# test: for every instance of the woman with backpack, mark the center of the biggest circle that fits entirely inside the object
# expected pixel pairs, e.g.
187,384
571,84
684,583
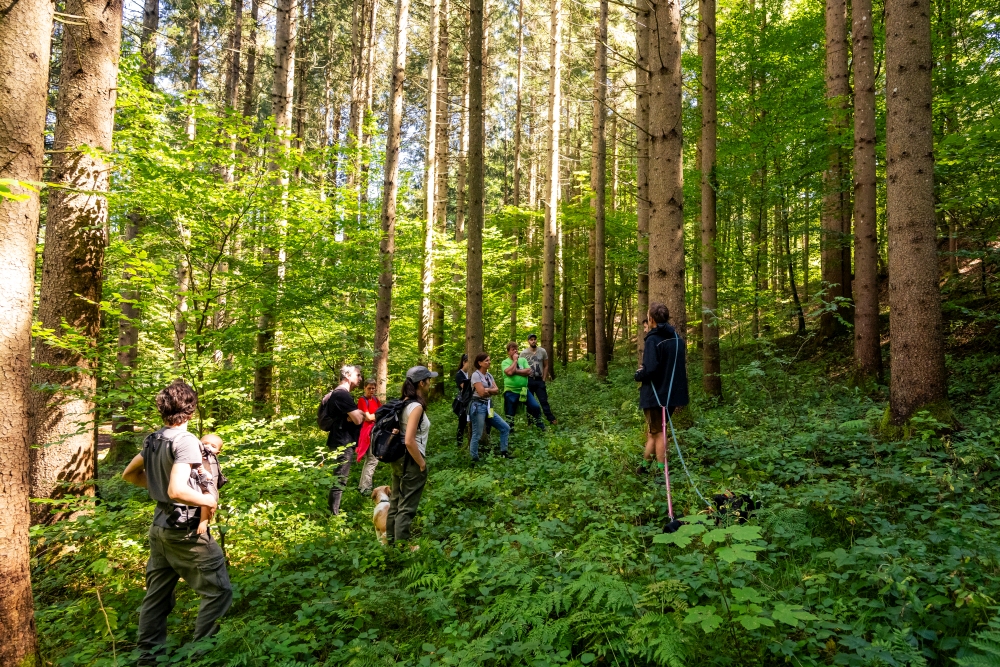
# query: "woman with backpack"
481,411
409,473
460,405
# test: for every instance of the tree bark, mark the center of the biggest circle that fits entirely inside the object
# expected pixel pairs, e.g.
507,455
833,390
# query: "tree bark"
25,37
62,418
867,349
598,181
235,49
147,42
836,219
194,67
441,189
517,102
463,158
711,355
642,20
552,178
249,94
666,197
915,324
424,335
474,334
387,245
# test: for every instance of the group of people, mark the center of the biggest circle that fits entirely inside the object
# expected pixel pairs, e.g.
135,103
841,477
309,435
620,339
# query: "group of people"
524,374
183,477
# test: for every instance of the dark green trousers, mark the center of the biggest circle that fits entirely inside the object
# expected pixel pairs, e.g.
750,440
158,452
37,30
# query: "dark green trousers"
407,487
198,560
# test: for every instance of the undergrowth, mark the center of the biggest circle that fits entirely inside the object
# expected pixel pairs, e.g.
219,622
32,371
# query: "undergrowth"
864,552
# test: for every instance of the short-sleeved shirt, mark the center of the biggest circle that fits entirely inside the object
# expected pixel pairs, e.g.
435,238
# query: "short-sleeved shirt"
344,431
484,379
422,430
514,383
536,360
161,450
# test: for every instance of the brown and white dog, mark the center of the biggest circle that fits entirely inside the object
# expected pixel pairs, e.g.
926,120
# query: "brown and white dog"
380,495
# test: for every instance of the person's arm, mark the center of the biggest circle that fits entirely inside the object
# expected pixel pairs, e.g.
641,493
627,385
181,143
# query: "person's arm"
413,423
509,368
178,489
650,361
524,370
356,416
482,392
545,367
135,471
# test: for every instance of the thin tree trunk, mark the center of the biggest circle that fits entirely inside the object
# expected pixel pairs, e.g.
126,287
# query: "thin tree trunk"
517,108
588,306
441,189
235,49
613,150
387,246
463,158
424,334
642,20
249,94
147,42
711,355
63,426
359,40
666,198
598,181
25,38
867,349
552,179
915,324
800,316
836,220
194,68
474,334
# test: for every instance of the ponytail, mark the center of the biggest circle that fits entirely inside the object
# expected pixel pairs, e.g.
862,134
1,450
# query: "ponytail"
410,393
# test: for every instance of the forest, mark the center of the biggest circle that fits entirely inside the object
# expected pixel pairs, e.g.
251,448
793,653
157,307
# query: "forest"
254,196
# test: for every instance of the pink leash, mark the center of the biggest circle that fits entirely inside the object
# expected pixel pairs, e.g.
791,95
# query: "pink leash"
666,462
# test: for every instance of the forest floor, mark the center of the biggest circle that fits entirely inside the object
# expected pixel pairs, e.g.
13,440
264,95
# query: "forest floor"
864,552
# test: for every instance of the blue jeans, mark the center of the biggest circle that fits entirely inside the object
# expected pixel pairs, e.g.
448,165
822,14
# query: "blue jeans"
479,415
510,403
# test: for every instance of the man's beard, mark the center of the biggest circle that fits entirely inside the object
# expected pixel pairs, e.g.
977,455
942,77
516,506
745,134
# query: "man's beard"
533,345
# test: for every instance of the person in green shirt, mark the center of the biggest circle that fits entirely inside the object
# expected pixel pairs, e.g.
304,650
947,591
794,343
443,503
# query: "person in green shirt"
515,385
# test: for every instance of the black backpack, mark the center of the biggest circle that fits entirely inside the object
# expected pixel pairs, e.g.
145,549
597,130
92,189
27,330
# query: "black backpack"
461,403
387,439
323,418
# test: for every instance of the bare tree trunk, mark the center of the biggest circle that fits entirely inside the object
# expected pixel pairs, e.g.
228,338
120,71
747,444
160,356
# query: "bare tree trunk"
598,181
613,150
441,189
62,419
359,41
249,94
424,335
282,94
474,334
836,220
387,246
147,42
711,355
588,306
642,20
915,323
25,37
180,302
463,158
666,197
235,49
194,67
867,349
552,178
517,109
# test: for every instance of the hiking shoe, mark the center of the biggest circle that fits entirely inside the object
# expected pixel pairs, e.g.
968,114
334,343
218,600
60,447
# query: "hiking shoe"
642,469
506,455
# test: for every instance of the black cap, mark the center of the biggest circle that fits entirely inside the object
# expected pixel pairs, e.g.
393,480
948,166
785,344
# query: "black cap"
419,374
530,336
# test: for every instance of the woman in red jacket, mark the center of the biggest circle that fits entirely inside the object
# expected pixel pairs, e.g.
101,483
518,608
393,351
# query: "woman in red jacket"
368,404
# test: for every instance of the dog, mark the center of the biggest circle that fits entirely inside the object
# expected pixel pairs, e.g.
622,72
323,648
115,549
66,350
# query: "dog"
380,494
740,507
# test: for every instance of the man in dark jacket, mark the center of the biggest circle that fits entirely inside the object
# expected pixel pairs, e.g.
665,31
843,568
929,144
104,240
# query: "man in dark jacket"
663,374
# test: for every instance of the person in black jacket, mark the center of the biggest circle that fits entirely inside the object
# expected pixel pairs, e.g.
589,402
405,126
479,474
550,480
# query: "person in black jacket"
663,374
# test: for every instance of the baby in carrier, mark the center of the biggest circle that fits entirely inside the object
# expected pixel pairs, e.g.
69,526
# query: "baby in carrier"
208,477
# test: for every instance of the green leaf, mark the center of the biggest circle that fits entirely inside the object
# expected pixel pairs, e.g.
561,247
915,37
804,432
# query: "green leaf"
754,622
745,533
717,535
738,552
587,658
747,594
791,614
682,537
704,616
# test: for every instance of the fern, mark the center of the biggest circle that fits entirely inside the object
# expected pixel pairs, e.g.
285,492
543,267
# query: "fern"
988,643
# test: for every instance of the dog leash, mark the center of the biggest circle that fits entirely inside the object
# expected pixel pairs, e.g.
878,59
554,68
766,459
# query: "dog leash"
673,434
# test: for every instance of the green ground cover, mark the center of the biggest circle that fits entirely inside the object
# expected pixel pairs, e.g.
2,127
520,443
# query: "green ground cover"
865,552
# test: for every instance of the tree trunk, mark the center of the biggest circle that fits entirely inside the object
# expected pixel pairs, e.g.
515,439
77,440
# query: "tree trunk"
25,37
867,349
552,179
474,334
463,157
387,246
642,20
441,189
836,220
711,355
147,42
194,67
915,324
235,49
62,419
588,306
424,334
666,197
249,94
517,102
598,181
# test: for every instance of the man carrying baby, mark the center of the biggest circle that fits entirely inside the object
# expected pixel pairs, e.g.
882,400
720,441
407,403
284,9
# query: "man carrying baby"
177,549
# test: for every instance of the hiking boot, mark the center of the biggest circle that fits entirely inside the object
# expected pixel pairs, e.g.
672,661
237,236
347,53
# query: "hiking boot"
506,455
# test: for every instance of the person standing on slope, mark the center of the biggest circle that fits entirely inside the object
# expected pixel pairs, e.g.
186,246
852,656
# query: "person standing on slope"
538,360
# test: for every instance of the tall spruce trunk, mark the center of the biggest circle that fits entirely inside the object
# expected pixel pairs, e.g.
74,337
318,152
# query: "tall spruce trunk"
441,189
642,20
194,67
387,245
249,76
474,334
517,103
147,40
63,415
666,197
552,179
424,334
598,181
282,94
836,218
25,37
867,349
463,157
711,355
232,83
915,325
